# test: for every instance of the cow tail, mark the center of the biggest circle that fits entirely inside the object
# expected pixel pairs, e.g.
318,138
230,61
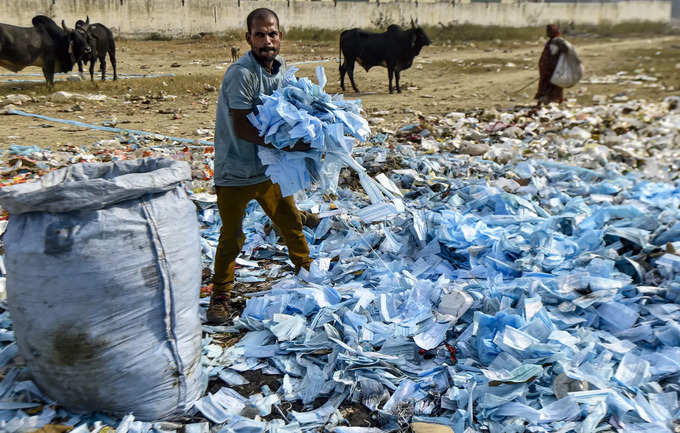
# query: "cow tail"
340,49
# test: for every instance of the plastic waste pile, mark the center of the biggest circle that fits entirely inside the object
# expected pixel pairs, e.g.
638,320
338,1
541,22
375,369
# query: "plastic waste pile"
571,284
497,288
633,135
541,298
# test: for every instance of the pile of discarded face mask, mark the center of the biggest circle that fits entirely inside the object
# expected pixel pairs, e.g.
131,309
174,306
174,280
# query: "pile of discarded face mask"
553,308
301,111
536,297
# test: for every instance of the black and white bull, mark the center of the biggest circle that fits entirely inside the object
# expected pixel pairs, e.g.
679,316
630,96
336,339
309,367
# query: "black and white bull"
394,49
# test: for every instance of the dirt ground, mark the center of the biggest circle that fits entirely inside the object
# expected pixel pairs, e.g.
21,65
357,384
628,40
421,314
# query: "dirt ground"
444,78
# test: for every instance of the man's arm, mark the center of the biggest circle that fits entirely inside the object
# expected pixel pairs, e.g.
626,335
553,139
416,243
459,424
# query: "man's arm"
246,131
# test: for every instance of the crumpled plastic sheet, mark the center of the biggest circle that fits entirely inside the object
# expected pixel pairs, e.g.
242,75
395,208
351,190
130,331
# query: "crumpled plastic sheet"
301,110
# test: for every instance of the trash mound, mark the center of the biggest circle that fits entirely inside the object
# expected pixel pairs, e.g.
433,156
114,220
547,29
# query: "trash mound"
569,273
632,135
572,287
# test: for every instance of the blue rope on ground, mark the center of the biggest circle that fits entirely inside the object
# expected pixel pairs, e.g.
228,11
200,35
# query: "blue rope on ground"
7,78
197,143
68,74
309,61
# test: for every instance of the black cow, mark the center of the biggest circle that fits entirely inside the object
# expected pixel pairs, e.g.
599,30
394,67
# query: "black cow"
395,49
54,48
101,40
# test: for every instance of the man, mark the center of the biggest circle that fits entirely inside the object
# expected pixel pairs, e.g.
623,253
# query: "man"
547,91
239,174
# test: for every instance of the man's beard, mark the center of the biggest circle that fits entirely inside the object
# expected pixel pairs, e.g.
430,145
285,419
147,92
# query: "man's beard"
262,53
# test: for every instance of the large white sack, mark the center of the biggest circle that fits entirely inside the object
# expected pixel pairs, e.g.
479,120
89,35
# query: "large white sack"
103,286
569,69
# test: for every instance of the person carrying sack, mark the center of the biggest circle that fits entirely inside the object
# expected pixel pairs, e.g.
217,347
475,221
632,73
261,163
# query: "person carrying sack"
559,67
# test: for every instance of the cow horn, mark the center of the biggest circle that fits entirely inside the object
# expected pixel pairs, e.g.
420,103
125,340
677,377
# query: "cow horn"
413,25
64,26
87,21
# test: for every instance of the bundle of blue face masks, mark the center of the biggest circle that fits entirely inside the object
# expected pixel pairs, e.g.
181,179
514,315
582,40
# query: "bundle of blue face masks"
301,110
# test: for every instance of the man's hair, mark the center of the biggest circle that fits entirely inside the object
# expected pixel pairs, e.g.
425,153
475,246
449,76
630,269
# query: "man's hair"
261,13
553,30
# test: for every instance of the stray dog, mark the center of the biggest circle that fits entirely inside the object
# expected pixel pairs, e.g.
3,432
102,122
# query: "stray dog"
235,52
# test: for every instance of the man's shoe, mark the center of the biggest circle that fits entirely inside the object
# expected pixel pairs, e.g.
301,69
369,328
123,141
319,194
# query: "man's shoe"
310,219
218,310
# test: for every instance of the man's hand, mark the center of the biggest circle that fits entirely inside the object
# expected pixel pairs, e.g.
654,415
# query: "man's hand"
301,146
246,131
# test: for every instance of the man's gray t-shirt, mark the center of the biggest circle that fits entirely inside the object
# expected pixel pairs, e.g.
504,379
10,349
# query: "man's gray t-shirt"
236,160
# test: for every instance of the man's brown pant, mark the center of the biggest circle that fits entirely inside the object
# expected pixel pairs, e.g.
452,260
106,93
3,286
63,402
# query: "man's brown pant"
232,202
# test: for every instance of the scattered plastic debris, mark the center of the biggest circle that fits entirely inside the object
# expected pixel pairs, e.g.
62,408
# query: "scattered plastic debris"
562,237
624,78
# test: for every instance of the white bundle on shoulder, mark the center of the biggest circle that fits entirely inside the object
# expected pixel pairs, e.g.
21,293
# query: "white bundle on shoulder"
569,69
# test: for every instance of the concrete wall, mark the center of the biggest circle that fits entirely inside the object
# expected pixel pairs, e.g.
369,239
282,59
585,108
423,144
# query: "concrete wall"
675,12
186,17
